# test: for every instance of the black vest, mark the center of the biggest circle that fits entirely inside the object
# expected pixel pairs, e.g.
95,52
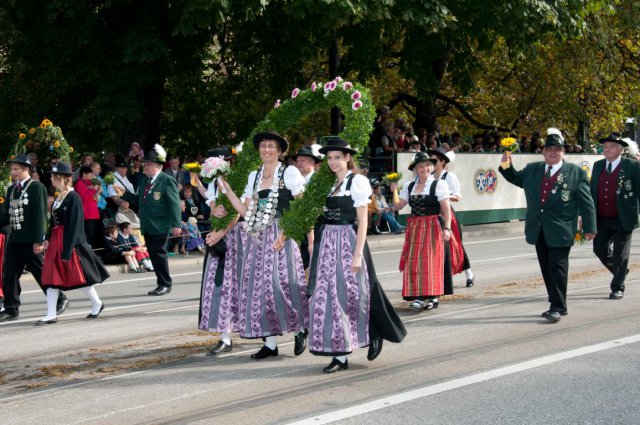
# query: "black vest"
340,209
422,205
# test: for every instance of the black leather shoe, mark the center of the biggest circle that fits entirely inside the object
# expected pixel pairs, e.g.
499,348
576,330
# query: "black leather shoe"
301,342
431,304
552,316
220,347
264,353
375,347
336,365
562,313
616,295
62,305
160,290
47,322
6,317
95,316
470,283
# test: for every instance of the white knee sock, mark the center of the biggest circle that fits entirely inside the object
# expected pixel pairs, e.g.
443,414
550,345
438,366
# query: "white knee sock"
341,359
91,293
52,303
469,274
147,263
271,342
225,337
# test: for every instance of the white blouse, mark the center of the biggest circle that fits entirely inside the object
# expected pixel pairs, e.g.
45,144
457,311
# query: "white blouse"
442,189
360,189
454,183
293,181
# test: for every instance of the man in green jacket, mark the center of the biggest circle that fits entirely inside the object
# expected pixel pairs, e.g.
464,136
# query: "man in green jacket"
159,214
615,183
556,192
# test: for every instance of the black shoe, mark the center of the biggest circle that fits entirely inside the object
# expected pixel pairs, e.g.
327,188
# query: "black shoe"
301,342
552,316
616,295
47,322
562,313
470,283
6,317
375,347
264,353
220,347
95,316
431,304
160,290
336,365
62,305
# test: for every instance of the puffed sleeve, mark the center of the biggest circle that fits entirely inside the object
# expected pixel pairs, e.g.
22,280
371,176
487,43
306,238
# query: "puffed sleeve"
442,190
454,184
360,191
293,180
404,192
248,190
211,193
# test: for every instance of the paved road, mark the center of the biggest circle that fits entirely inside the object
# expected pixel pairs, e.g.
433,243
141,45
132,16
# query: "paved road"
485,356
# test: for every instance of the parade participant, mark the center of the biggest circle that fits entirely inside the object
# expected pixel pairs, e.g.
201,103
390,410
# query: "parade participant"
422,261
555,191
159,213
615,183
69,261
443,158
272,298
25,208
349,308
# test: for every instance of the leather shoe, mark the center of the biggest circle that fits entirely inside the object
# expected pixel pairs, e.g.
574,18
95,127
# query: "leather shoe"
47,322
431,304
264,353
6,317
95,316
562,313
62,305
336,365
470,283
375,347
616,295
220,347
160,290
301,342
552,316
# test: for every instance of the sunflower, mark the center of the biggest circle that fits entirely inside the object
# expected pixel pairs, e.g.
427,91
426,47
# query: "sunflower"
22,136
32,130
1,200
56,144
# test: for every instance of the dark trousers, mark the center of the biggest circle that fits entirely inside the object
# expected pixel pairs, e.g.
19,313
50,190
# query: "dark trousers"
554,265
612,245
16,256
157,248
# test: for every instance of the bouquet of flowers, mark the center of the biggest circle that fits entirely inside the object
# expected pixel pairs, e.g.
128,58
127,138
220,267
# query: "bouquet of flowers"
213,167
109,179
580,237
192,167
508,145
392,178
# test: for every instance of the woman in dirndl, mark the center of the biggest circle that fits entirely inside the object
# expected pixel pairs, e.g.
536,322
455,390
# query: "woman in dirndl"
223,267
272,295
69,261
349,309
428,231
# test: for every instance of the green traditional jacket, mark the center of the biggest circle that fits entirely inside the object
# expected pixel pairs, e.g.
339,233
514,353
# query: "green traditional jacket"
559,216
33,227
627,198
159,210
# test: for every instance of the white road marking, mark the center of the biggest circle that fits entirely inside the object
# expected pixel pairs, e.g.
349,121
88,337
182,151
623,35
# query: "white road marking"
404,397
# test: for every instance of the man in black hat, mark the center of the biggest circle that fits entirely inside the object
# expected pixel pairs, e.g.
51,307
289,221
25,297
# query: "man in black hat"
555,191
615,183
25,208
159,203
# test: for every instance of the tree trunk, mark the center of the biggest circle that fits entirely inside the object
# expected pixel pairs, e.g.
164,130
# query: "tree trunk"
334,63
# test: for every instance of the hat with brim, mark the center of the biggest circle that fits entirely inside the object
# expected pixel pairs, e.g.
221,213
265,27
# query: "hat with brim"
441,153
271,135
121,164
307,151
615,138
375,183
62,168
421,157
337,144
152,156
21,160
224,151
553,140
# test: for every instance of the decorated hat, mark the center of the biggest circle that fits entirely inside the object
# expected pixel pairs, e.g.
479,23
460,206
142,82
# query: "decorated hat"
337,144
441,153
271,135
421,157
307,151
227,152
157,155
62,168
615,138
21,160
374,183
120,163
553,140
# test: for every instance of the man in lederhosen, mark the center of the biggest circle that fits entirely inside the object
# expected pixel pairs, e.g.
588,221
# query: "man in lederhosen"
25,208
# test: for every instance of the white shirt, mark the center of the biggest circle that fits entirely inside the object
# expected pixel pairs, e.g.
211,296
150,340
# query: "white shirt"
442,189
453,182
122,182
293,181
554,168
614,164
360,189
308,176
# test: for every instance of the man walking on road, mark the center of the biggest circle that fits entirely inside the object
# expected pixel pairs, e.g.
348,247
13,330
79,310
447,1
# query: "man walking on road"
614,186
555,191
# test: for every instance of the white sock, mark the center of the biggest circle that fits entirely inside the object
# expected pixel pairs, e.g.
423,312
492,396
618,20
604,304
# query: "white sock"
341,359
469,274
225,337
271,342
147,263
52,303
91,293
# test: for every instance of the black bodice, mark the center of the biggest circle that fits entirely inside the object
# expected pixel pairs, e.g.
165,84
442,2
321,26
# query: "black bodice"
340,209
422,205
284,196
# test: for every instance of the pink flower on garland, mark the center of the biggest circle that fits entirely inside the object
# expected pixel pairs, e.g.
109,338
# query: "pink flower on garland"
356,95
356,105
295,93
333,85
314,86
347,86
338,79
327,87
277,104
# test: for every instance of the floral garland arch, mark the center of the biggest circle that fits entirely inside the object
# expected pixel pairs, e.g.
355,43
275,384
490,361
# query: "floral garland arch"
354,102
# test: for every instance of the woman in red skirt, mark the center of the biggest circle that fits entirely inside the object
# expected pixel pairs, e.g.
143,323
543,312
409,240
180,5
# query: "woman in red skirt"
69,262
428,232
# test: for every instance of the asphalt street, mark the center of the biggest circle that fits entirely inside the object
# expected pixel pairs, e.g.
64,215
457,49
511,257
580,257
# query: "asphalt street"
485,356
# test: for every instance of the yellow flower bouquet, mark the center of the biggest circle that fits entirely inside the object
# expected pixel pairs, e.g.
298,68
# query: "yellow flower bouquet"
508,145
392,178
192,167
